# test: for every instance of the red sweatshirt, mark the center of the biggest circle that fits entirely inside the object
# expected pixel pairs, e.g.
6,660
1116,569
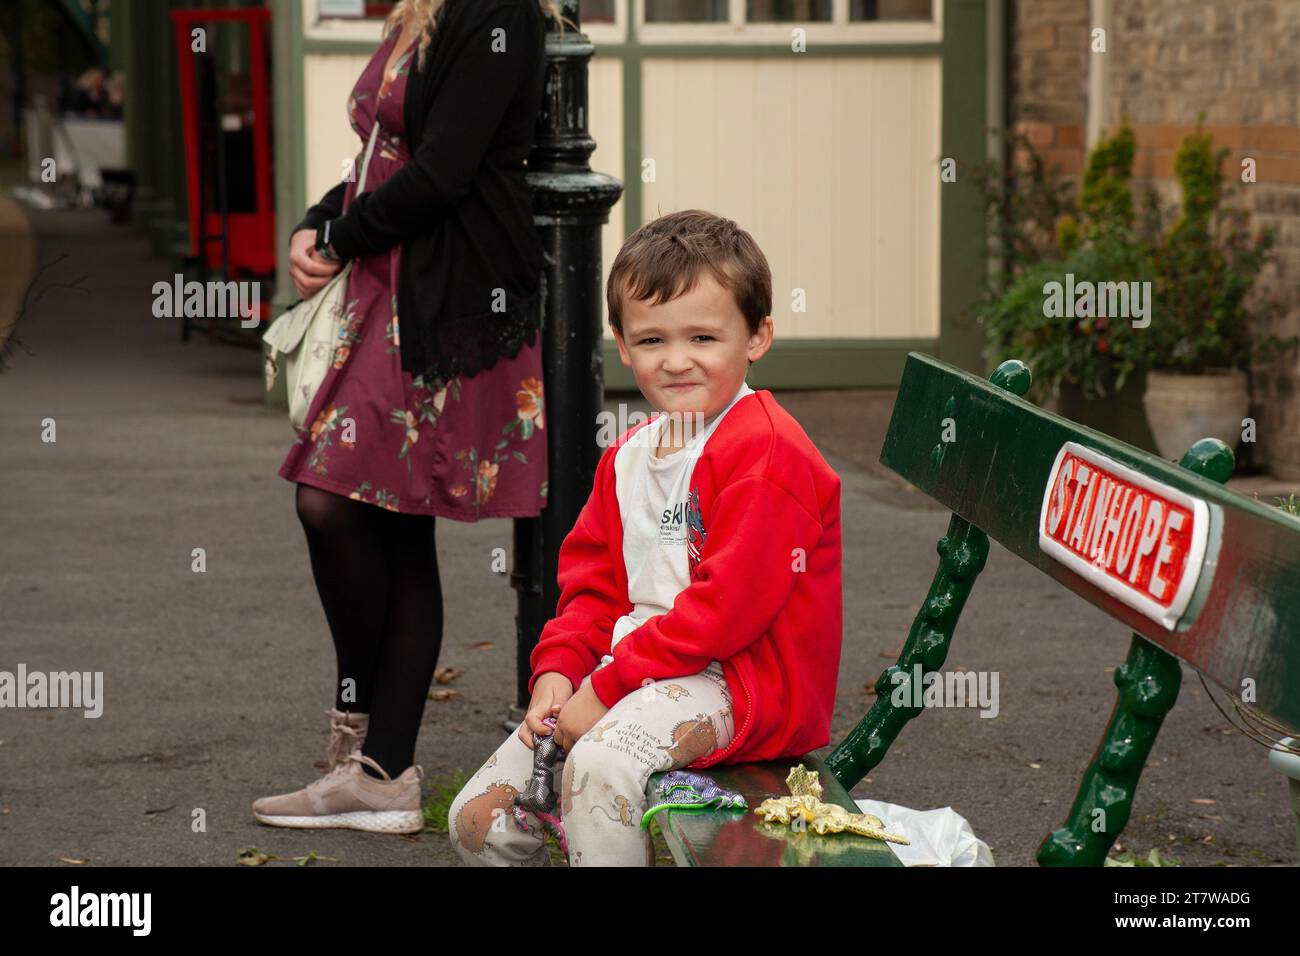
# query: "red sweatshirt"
765,596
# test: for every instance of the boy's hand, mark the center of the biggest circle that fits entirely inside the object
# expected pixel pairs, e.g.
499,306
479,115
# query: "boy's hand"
578,716
550,692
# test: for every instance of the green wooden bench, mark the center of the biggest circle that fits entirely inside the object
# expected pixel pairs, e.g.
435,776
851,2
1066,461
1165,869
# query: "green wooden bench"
742,838
1198,573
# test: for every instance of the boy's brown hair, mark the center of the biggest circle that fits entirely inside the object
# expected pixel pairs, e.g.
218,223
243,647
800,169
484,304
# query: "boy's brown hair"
664,258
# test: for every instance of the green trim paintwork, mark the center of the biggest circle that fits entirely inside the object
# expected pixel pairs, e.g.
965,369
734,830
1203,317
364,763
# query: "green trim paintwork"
1148,683
137,110
806,363
288,107
633,76
963,238
962,553
290,147
168,224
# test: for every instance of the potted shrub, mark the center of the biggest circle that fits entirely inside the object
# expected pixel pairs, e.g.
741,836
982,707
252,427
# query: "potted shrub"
1045,308
1181,366
1199,345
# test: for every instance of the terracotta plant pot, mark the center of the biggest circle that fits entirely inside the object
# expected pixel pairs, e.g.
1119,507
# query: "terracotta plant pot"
1183,409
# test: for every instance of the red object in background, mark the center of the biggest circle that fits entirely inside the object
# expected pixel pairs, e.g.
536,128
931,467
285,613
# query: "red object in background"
249,238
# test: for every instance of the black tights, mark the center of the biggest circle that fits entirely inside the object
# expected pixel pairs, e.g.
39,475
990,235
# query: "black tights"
377,574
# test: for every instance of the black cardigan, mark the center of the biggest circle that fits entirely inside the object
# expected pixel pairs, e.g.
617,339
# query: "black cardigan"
471,287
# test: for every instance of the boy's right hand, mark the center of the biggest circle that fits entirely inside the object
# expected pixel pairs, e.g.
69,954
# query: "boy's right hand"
550,693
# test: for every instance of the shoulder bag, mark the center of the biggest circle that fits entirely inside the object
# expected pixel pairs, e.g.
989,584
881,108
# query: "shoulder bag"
301,342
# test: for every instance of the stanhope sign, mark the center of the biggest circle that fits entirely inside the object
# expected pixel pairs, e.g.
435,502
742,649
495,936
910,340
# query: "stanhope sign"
1139,540
1203,572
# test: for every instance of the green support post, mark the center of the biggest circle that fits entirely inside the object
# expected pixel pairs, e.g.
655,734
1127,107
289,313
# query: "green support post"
1148,683
962,553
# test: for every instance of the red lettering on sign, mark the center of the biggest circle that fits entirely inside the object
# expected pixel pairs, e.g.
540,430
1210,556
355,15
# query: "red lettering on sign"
1137,538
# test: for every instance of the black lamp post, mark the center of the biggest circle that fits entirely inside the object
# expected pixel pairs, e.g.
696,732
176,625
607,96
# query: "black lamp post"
570,204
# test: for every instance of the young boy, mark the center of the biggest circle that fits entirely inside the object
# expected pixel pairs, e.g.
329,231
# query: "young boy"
699,620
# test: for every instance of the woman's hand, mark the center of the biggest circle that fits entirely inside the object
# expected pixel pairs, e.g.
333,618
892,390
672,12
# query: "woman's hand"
550,693
308,271
578,716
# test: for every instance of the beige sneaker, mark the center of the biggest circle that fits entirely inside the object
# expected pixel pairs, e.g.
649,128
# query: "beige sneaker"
350,798
347,734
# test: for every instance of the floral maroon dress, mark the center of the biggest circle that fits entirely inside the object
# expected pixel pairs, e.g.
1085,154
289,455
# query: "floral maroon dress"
466,448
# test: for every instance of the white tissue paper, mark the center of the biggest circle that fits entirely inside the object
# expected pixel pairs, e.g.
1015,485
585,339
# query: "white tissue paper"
939,837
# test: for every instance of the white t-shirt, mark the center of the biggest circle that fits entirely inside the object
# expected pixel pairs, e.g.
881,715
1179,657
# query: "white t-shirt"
653,497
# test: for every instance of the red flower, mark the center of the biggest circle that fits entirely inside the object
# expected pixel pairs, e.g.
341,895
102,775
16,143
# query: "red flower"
1101,345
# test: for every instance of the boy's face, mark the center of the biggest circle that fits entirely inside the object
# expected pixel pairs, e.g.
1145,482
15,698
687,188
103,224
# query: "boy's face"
690,354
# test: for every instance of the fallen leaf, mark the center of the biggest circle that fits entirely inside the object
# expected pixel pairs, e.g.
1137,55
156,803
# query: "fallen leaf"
1204,800
1036,766
443,694
311,856
893,654
484,645
6,810
64,859
870,688
445,675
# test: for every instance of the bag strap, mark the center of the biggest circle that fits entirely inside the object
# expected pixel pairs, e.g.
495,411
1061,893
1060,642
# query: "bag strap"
365,163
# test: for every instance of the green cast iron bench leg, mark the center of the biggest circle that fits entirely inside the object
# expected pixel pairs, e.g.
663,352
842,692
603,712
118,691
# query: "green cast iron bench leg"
1148,683
962,554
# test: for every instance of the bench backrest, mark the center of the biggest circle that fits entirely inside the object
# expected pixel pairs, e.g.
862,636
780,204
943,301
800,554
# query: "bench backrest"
1206,574
1241,615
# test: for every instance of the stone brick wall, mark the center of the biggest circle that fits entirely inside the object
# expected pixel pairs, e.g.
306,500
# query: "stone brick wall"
1236,61
1049,78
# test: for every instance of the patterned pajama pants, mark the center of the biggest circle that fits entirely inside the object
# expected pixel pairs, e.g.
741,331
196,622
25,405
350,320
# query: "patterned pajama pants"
662,726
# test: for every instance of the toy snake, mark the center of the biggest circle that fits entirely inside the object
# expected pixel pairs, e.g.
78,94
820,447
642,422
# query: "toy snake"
686,790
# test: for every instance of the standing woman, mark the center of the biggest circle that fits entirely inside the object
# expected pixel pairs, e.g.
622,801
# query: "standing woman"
444,418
